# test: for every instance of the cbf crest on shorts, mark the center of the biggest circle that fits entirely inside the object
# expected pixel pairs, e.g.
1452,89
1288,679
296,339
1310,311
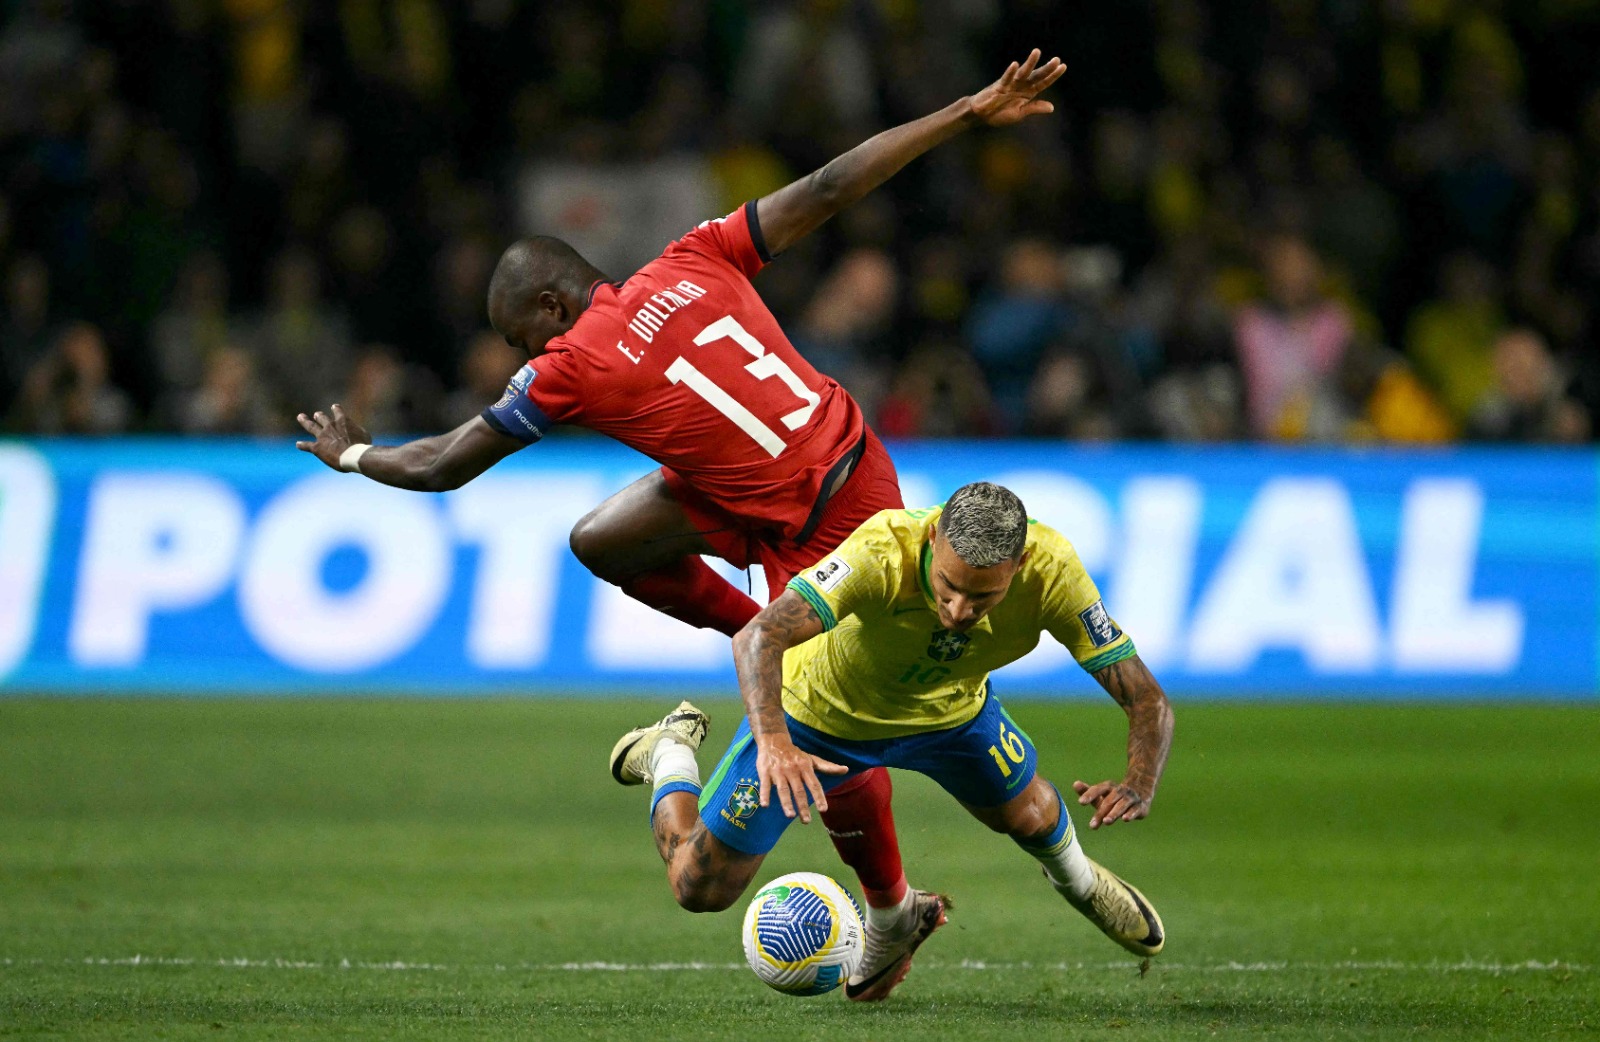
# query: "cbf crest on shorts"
1097,621
744,799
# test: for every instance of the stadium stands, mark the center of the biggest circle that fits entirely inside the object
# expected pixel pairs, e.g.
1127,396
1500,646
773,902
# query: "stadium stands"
1282,220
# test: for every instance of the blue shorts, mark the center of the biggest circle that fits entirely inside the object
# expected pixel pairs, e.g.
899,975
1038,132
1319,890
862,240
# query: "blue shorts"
984,762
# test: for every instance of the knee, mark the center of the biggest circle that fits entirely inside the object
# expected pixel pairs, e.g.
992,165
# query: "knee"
590,544
1021,825
1034,813
693,896
1032,823
995,823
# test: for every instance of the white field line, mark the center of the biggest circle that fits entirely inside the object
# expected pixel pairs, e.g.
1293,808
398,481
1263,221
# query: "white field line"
1380,966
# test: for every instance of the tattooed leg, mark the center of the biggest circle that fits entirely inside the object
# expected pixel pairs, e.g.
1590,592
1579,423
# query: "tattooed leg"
706,875
675,818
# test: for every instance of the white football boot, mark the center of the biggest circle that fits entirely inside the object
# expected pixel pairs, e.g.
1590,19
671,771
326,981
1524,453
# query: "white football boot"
887,958
630,757
1120,911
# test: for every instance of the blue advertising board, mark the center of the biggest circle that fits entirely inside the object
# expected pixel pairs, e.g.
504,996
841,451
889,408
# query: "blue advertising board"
166,566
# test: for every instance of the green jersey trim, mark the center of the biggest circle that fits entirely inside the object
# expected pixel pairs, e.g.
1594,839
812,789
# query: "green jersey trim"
1108,658
925,571
815,599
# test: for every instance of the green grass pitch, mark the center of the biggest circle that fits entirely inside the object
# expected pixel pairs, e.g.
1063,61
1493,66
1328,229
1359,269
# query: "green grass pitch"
373,869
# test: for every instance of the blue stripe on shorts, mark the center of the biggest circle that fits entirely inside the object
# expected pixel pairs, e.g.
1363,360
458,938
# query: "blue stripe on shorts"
984,762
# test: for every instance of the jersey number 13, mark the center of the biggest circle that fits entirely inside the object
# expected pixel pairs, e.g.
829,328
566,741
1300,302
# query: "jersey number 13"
764,367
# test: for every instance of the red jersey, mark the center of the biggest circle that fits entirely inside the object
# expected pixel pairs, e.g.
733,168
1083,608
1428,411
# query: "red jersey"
684,363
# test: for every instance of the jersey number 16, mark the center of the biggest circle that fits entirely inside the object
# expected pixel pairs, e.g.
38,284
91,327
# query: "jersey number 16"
764,367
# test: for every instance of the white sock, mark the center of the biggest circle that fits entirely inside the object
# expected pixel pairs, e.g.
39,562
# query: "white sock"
883,919
1068,868
1064,861
672,761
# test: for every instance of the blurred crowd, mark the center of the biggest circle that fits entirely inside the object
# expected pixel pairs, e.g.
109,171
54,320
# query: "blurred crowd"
1288,220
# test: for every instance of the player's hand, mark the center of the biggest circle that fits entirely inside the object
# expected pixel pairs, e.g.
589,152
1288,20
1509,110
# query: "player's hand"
792,774
1112,802
333,435
1011,98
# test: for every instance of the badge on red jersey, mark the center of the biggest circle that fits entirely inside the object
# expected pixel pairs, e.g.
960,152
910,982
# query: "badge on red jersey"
518,384
516,414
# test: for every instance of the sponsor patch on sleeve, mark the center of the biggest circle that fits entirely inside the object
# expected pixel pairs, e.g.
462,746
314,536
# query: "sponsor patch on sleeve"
829,573
516,414
518,384
1097,621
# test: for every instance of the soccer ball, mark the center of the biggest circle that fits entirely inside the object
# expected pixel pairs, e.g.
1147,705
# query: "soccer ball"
803,934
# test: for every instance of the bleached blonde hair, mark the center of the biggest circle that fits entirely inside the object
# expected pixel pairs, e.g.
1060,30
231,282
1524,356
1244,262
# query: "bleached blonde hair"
985,524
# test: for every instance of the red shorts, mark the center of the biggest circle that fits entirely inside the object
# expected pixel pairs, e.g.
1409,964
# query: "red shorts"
872,486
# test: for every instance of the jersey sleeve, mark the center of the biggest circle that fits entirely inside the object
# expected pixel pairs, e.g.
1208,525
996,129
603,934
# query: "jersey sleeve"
1074,612
735,239
863,573
540,395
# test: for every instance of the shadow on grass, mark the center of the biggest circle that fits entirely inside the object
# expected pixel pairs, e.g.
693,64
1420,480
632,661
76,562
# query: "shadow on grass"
966,1019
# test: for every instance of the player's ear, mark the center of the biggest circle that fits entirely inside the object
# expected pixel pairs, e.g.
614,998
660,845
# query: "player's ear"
550,303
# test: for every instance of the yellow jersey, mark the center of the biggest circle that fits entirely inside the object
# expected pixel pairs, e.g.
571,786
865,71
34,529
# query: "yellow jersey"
885,667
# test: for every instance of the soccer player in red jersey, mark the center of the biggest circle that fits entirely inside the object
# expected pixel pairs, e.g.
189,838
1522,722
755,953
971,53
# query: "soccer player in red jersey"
763,459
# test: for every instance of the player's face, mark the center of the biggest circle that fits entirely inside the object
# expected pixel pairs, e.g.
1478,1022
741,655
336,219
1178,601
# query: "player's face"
529,337
530,329
965,594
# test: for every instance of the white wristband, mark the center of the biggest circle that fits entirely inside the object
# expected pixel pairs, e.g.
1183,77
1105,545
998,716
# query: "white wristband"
350,459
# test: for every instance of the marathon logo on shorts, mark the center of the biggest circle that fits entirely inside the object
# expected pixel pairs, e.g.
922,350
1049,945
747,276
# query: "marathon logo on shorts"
519,383
1097,621
829,573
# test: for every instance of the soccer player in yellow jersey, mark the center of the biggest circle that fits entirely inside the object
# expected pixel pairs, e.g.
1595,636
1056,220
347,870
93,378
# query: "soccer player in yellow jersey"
880,655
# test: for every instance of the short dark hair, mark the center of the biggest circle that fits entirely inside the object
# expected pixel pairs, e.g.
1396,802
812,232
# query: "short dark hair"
985,524
530,266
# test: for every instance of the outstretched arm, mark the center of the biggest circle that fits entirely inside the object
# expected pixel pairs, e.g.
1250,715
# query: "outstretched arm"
758,657
796,210
1149,739
436,464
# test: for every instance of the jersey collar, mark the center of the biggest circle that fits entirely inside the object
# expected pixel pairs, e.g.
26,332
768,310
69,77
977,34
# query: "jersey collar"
925,573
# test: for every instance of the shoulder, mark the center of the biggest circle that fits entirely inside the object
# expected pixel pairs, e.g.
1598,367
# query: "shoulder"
560,359
1051,556
1044,539
606,311
564,375
896,536
578,351
869,548
873,557
734,240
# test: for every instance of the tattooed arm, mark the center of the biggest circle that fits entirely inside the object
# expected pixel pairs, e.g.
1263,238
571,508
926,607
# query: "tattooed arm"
1133,687
758,657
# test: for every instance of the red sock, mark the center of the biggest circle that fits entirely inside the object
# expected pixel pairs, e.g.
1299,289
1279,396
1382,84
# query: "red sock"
861,824
691,592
